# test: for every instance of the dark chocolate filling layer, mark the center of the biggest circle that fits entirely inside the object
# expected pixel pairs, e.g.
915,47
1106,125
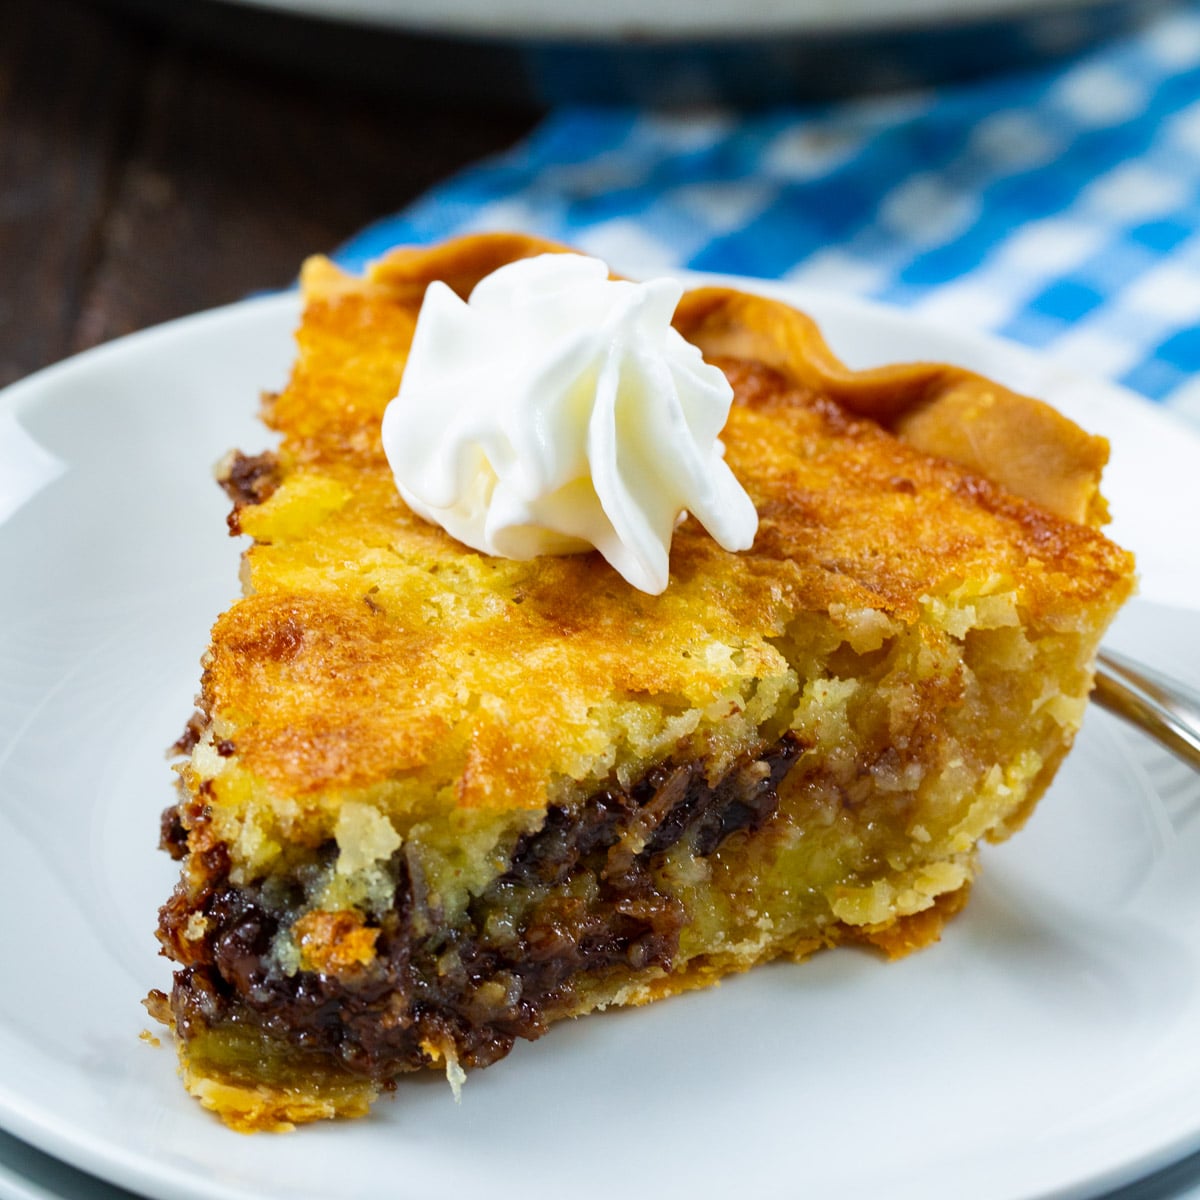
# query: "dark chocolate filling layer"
580,900
247,479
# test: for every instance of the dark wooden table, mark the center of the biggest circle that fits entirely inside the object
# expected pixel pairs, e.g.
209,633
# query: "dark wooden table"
147,172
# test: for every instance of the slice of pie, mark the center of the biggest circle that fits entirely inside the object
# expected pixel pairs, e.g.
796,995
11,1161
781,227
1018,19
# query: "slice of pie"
433,801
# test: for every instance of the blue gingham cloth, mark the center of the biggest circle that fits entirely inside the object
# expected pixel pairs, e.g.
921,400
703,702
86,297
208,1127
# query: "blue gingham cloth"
1058,207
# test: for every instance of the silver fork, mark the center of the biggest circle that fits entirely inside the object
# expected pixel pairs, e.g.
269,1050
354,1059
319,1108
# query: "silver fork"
1155,703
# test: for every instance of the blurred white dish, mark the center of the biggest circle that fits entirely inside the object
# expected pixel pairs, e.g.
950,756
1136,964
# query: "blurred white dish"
665,19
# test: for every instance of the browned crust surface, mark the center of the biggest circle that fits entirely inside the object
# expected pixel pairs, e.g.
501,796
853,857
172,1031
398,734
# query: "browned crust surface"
344,666
1017,441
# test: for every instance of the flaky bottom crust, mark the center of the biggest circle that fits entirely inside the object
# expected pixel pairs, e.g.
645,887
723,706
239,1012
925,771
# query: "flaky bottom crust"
303,1095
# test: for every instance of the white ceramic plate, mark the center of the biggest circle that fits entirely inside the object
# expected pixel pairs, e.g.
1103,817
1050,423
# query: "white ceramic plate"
668,19
1050,1046
28,1174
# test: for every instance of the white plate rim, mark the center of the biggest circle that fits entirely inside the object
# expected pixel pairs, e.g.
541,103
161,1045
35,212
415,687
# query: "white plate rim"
59,1137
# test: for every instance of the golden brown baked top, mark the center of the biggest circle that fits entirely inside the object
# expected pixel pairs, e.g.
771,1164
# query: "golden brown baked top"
373,649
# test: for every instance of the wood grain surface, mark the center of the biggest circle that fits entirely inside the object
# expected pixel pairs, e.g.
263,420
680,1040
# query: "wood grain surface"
147,172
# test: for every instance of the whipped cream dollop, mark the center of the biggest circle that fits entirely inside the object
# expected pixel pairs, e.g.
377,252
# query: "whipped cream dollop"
558,410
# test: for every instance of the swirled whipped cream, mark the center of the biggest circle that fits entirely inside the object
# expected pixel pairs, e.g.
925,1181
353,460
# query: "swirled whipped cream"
558,410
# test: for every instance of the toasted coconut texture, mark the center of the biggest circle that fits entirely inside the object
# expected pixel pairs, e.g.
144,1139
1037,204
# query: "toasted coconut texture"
434,801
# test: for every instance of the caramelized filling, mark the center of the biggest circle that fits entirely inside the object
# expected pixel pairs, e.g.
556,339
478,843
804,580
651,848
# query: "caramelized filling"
579,901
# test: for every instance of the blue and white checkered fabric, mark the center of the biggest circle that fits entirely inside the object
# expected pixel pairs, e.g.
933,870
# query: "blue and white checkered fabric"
1059,208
